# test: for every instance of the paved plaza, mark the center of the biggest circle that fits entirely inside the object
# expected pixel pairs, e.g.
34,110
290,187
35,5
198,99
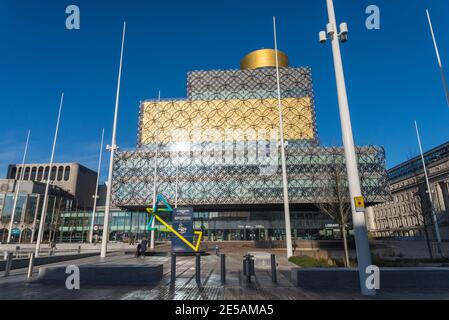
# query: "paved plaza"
16,286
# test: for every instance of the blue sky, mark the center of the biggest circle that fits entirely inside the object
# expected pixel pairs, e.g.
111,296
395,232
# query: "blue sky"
392,74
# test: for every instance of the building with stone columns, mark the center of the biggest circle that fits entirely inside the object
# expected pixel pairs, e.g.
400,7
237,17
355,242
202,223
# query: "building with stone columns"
72,187
409,213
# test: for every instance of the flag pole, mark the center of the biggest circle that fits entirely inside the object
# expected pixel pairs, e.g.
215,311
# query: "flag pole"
96,188
16,196
429,190
47,184
153,223
112,149
440,64
288,229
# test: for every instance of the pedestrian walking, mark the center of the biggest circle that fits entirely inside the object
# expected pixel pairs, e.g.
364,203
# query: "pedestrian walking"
217,249
143,247
139,250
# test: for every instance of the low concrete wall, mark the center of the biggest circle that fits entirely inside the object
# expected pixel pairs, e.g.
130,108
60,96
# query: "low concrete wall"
109,275
304,244
23,263
261,259
390,278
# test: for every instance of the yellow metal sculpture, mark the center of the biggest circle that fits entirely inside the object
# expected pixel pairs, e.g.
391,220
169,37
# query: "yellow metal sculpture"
153,213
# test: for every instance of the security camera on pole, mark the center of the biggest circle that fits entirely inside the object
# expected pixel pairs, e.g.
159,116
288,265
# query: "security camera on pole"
357,202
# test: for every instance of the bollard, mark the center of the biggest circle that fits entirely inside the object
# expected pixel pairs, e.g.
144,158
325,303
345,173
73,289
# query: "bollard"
273,268
248,267
8,264
17,252
31,266
223,268
173,267
79,249
198,269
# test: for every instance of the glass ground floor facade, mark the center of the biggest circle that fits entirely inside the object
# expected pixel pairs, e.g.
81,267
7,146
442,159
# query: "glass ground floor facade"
216,226
27,215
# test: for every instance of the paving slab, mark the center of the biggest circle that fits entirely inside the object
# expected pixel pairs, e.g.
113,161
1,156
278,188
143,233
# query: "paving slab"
185,287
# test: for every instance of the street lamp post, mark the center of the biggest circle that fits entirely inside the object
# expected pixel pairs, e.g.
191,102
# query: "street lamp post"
429,190
16,196
112,149
47,184
91,235
358,215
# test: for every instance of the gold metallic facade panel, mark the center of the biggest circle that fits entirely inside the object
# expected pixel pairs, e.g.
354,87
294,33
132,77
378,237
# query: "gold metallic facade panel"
222,120
264,58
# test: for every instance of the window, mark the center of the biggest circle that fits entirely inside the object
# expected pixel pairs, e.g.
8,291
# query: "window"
53,174
2,201
33,174
67,173
40,173
47,170
13,173
30,208
27,174
60,171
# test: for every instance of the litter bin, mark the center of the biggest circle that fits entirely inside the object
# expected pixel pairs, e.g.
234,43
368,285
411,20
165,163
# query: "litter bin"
248,267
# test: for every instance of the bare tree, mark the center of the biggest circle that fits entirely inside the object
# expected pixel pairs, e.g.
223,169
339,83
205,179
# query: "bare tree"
335,199
418,209
417,212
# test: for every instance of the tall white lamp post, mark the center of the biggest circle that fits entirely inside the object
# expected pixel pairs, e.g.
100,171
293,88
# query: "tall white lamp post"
358,214
112,148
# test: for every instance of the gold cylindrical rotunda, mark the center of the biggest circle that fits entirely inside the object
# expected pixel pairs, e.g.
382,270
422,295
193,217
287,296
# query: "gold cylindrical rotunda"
263,58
